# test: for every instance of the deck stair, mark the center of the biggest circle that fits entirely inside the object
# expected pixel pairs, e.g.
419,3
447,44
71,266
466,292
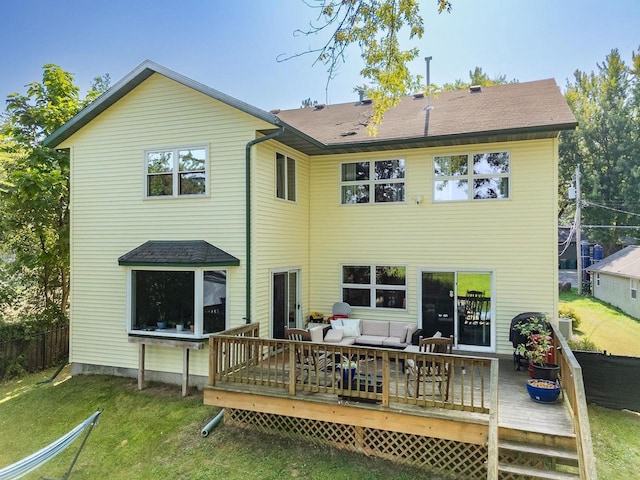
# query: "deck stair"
520,460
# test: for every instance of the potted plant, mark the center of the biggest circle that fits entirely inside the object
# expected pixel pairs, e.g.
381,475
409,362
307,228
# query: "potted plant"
538,349
544,391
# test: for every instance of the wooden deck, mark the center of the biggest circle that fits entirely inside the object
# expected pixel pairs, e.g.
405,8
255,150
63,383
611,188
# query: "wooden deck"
487,418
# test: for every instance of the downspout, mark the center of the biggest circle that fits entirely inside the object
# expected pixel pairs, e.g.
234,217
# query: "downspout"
275,134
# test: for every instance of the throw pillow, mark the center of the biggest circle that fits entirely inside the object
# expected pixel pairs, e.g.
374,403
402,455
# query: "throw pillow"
351,327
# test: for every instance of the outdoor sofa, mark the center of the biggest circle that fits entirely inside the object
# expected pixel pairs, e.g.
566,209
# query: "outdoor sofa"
355,331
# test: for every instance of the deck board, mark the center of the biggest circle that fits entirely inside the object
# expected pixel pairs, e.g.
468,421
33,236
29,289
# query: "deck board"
517,411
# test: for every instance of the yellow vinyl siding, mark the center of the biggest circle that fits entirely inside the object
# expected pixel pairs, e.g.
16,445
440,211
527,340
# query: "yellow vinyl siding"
110,215
515,239
281,239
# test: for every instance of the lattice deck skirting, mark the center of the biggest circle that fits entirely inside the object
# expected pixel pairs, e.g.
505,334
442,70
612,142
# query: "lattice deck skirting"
456,459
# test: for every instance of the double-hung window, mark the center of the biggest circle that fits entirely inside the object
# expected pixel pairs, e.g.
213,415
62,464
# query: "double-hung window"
634,288
177,172
475,176
374,286
378,181
285,177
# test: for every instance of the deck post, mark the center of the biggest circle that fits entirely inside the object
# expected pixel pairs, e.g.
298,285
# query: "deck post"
492,440
185,371
141,348
292,369
386,378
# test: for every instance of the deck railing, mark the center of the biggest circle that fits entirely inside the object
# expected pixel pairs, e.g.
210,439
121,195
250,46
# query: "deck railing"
573,388
383,376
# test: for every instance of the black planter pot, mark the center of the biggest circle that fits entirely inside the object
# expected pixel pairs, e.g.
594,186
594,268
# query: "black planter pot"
548,371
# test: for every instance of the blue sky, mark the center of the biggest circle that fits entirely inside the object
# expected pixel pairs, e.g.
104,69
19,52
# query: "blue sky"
232,45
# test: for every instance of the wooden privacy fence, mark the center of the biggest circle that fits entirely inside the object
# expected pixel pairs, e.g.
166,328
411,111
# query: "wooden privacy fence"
380,375
36,352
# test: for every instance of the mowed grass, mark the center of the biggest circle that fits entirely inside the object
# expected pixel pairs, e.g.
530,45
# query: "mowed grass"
155,433
607,327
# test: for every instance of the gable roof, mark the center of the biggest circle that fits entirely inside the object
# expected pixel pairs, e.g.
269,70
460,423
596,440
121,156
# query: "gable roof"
170,253
517,111
624,263
131,81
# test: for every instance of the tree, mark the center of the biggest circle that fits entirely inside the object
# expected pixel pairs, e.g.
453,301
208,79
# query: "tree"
477,77
34,185
606,144
376,27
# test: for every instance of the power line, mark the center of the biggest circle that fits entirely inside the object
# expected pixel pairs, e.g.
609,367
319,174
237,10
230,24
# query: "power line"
587,203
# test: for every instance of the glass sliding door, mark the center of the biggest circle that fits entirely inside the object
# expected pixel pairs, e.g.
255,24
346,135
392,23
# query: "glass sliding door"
438,300
460,304
474,309
285,308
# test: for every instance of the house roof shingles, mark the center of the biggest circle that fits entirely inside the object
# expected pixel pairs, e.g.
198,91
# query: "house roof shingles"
527,110
624,263
518,111
196,253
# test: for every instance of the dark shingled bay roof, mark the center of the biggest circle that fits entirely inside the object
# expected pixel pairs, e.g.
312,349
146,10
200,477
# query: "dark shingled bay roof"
522,110
196,253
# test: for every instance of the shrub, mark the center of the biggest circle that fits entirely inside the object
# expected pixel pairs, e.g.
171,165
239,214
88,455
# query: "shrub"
565,311
583,344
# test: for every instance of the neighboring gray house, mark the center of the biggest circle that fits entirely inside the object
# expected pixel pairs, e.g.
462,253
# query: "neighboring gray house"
615,280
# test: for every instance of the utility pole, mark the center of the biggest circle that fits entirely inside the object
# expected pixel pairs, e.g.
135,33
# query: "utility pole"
578,230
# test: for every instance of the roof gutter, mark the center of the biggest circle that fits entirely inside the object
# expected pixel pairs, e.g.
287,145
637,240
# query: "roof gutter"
275,134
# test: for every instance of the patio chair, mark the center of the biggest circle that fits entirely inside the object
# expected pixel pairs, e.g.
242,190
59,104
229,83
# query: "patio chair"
421,372
308,359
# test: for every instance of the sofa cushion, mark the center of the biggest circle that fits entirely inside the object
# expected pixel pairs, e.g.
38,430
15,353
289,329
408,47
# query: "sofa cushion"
334,335
394,342
375,328
411,329
398,330
351,327
316,334
375,340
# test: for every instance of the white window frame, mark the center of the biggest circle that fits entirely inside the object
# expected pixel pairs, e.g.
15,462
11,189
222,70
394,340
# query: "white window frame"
597,279
372,182
470,177
175,172
372,286
634,288
198,302
287,177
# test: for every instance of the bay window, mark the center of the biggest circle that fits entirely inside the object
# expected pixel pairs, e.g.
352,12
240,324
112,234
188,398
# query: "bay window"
188,303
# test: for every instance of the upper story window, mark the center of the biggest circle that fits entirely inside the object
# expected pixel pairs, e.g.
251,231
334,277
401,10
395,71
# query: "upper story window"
285,177
477,176
374,286
176,172
379,181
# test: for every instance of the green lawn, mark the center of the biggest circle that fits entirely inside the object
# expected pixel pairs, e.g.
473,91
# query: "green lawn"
607,327
155,434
